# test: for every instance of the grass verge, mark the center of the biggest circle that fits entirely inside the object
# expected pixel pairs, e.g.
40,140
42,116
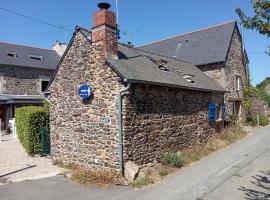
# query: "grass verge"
172,161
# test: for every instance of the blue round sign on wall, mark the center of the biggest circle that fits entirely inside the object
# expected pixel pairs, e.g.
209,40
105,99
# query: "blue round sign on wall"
85,91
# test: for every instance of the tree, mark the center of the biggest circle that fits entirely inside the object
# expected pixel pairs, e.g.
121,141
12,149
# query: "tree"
260,21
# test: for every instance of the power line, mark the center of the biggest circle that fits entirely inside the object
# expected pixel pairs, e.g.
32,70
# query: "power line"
35,20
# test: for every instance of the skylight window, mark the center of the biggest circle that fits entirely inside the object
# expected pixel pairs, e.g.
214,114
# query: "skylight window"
12,54
36,57
161,67
179,72
160,63
188,78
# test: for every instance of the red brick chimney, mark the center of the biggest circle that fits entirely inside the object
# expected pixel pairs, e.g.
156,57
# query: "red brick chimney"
104,30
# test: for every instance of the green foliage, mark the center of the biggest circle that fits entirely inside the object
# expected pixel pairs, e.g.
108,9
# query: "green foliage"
29,121
163,172
263,120
263,95
139,183
173,159
260,21
264,83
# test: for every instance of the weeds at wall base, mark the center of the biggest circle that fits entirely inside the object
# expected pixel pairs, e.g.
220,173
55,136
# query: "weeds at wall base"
172,161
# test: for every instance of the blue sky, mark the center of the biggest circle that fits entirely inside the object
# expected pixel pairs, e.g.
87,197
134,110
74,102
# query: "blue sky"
147,21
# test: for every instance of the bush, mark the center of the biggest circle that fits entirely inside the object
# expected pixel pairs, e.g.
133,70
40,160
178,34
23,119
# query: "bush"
252,120
29,121
263,120
173,159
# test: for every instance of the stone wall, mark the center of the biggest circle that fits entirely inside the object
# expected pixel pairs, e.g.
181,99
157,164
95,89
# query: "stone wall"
22,80
215,71
85,133
225,73
235,67
160,118
259,107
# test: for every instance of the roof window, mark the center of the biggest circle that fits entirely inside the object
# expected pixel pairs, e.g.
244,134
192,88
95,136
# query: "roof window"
36,57
161,67
179,72
12,54
188,78
160,63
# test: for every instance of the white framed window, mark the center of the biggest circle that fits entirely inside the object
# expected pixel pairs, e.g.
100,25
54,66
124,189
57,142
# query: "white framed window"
237,83
2,83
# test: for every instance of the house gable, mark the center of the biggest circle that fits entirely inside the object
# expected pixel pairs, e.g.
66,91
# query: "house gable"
90,145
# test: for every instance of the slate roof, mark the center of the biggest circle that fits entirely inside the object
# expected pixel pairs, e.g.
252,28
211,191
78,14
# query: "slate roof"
139,66
51,58
209,45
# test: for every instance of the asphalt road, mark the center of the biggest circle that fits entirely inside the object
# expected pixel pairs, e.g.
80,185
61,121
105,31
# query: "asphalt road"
240,171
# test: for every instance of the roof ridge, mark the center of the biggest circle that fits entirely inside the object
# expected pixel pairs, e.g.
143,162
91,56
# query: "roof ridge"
8,43
203,29
157,54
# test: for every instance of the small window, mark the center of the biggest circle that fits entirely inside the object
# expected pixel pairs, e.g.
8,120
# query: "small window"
188,78
237,83
44,84
36,57
12,54
161,67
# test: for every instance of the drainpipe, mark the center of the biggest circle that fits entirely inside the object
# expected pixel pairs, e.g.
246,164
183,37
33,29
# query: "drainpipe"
120,125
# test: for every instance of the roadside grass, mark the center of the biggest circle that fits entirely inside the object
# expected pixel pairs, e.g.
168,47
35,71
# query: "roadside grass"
172,161
141,182
226,138
91,177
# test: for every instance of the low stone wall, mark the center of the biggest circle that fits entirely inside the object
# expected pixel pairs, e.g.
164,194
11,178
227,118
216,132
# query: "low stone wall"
161,118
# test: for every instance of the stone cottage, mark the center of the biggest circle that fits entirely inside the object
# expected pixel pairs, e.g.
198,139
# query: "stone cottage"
143,103
24,75
218,51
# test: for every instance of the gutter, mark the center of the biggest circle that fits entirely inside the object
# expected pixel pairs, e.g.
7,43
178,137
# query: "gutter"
120,125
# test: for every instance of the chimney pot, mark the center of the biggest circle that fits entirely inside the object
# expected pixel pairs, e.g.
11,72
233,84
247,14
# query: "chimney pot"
104,31
103,5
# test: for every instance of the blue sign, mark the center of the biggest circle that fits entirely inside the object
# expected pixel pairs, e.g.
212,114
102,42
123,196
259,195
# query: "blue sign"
85,92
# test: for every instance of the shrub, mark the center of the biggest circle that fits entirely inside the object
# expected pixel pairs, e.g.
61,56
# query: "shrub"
263,120
173,159
29,121
251,120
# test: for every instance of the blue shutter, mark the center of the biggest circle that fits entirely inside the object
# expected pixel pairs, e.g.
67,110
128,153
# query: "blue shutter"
212,111
224,112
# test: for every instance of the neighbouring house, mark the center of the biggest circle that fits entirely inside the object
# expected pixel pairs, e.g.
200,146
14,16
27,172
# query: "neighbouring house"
218,51
142,102
24,75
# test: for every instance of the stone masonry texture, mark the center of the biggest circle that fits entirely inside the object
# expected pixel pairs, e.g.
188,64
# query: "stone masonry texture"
159,119
85,133
225,73
155,118
22,80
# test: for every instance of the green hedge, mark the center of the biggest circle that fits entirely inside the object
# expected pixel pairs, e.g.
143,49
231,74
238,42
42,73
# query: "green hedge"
29,121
